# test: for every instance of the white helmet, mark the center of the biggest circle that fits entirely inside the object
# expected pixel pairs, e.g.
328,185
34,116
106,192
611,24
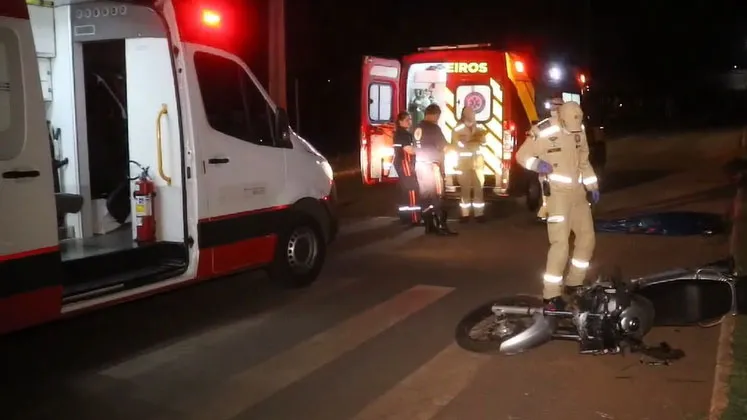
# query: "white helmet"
571,116
555,103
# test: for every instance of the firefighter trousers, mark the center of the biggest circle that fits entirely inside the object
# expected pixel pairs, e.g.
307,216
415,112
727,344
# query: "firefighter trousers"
408,186
431,183
472,194
568,211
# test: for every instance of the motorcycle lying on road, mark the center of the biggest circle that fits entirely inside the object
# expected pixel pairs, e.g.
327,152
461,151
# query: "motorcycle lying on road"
610,316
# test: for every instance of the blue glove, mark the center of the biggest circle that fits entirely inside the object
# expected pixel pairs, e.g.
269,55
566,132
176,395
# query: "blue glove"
543,167
595,196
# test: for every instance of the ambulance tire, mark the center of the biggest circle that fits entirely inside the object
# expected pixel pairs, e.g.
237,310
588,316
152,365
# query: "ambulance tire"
300,253
534,196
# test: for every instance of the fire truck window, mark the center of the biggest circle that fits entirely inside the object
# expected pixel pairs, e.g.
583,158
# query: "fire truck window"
233,103
12,108
380,102
479,98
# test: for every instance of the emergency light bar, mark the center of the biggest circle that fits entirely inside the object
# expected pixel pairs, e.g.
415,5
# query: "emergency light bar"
454,47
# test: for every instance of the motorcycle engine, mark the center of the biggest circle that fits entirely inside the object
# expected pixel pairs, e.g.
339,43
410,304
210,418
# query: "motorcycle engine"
610,315
634,314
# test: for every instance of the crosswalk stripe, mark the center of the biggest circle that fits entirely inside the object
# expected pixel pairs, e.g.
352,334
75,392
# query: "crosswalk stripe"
385,244
424,393
262,381
149,361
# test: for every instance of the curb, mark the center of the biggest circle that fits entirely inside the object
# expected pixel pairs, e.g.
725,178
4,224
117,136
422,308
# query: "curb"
724,362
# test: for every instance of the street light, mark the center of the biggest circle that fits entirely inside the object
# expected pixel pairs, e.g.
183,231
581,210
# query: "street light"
555,73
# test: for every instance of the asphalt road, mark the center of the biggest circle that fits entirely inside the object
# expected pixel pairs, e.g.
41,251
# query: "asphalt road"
372,339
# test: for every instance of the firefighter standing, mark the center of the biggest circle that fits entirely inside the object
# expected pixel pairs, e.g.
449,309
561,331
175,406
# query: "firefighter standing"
555,103
468,139
404,163
429,156
559,151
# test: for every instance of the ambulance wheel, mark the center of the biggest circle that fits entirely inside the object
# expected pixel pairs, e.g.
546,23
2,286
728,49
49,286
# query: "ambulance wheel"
300,253
534,196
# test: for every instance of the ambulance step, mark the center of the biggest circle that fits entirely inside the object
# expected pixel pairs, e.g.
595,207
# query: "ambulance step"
121,281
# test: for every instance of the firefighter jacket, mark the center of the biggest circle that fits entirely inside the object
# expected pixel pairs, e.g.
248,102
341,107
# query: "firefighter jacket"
429,142
468,142
567,152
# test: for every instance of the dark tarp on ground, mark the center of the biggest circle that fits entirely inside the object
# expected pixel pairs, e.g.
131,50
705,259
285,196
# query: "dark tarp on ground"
672,223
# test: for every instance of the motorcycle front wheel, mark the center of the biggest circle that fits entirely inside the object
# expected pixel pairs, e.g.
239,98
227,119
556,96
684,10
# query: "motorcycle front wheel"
481,331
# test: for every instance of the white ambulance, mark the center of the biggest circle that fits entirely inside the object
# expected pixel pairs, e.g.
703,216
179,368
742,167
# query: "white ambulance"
117,89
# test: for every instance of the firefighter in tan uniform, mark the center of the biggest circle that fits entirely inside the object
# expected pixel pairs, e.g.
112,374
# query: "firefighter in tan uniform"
468,139
560,152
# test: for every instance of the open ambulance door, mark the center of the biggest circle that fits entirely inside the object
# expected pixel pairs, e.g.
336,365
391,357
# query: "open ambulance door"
30,262
379,108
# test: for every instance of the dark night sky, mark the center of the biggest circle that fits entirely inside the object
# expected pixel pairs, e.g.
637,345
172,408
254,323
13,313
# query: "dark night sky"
631,38
636,45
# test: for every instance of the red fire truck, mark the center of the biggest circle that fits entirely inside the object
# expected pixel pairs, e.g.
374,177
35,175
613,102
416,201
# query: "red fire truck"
496,84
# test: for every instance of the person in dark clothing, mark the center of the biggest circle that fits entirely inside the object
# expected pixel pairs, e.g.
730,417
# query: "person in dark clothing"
429,156
404,164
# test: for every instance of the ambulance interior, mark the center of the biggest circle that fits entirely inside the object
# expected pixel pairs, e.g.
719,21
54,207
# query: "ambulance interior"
427,84
106,76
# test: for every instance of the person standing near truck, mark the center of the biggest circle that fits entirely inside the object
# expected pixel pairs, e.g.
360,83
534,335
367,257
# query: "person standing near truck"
429,162
468,139
404,164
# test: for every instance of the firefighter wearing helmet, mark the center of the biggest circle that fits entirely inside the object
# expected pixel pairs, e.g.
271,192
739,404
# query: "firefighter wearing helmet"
468,139
558,150
555,104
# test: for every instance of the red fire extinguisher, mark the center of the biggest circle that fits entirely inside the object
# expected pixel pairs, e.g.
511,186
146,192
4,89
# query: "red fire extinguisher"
145,219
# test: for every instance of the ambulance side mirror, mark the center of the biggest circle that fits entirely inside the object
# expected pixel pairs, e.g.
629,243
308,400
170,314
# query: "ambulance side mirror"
282,129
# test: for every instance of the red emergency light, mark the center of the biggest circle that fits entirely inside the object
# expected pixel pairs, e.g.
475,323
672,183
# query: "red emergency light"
519,66
211,18
582,78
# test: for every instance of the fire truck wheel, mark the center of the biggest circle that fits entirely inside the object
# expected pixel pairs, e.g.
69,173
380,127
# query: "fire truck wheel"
300,254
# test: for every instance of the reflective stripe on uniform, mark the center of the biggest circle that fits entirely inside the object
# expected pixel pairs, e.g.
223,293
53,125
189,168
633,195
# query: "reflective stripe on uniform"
551,278
560,178
590,180
580,263
555,219
549,130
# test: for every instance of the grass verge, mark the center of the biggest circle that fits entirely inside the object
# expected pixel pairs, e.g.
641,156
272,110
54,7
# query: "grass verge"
737,407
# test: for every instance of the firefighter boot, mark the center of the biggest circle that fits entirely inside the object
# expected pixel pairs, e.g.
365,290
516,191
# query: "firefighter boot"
443,228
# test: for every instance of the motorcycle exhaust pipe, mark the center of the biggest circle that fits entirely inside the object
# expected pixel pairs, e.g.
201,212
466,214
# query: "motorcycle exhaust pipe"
527,311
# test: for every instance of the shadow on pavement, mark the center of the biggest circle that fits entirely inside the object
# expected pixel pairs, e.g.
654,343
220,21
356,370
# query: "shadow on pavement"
619,180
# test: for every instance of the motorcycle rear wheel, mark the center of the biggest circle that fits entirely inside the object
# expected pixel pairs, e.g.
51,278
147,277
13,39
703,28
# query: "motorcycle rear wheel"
491,341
